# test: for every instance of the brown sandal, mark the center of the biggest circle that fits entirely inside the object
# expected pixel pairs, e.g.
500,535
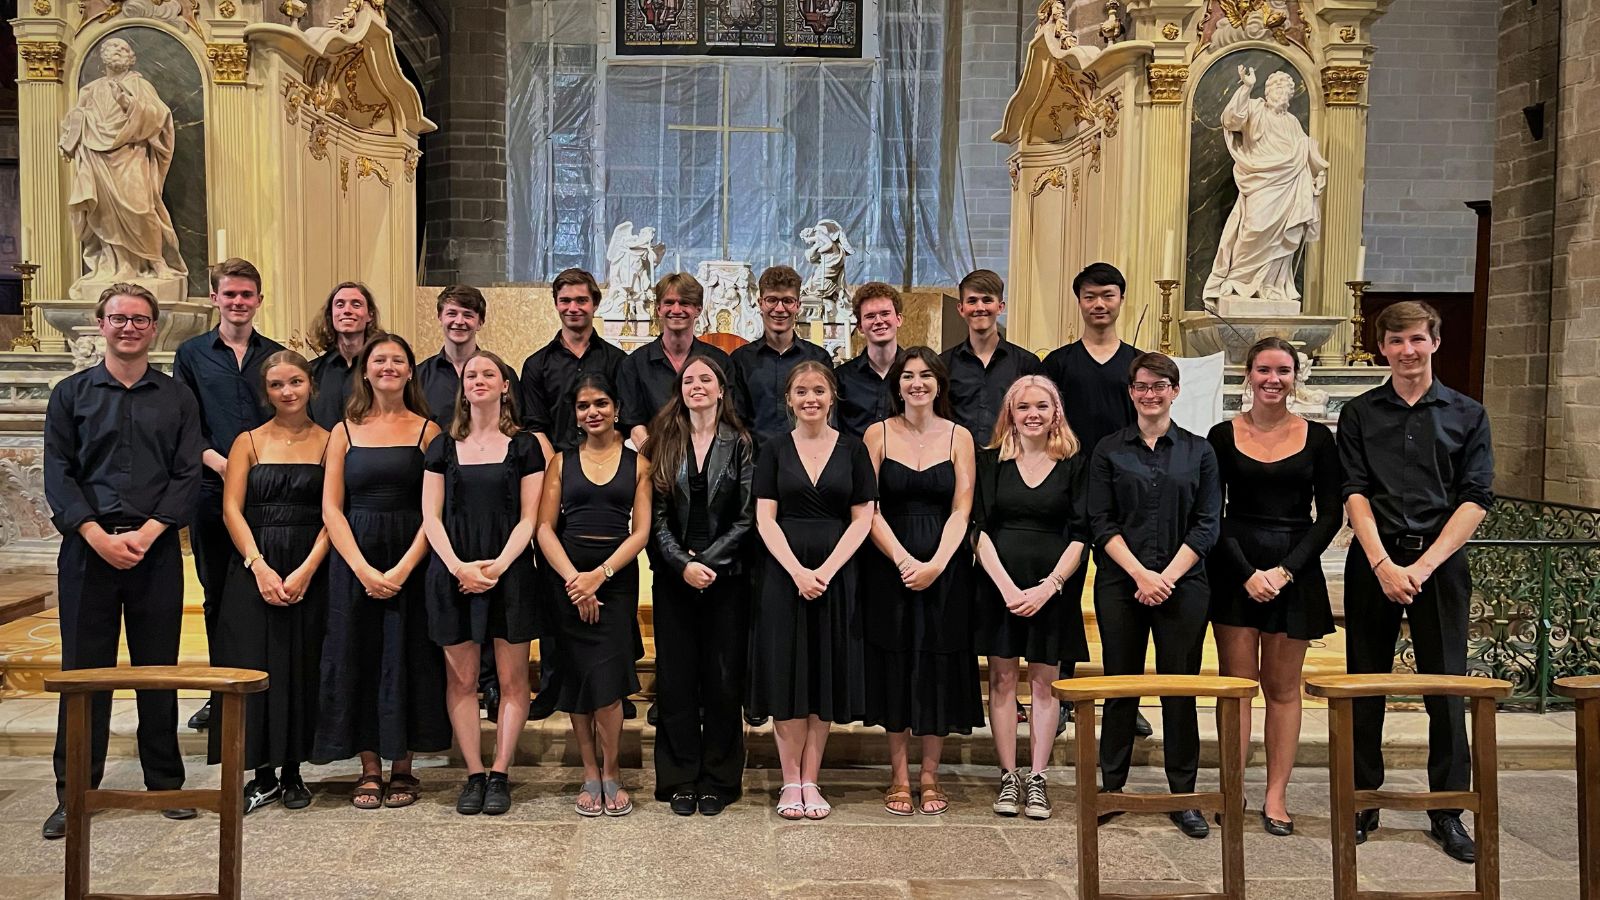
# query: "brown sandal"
898,794
933,795
405,786
369,792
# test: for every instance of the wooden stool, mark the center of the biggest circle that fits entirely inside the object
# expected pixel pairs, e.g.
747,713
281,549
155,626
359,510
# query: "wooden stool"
1082,693
1341,692
228,800
1586,690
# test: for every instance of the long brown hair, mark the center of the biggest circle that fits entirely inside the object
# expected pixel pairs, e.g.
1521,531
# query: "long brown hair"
941,378
672,436
360,403
322,336
461,421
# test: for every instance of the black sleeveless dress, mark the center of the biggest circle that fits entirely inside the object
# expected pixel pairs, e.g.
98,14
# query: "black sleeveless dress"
482,503
382,676
596,661
283,504
921,672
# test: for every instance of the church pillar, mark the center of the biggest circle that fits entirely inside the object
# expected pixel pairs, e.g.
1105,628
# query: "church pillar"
236,167
1164,213
1344,144
42,99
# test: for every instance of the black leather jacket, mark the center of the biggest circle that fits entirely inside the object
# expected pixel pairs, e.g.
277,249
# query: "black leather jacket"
730,507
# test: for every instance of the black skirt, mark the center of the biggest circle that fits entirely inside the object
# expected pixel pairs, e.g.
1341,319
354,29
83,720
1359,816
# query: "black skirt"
1301,610
596,662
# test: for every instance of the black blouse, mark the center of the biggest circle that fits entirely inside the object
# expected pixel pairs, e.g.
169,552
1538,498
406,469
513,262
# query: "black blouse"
847,480
1057,503
1156,499
490,486
1281,494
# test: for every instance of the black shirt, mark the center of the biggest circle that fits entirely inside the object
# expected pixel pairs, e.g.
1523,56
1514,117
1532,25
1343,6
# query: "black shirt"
119,455
1416,464
440,384
761,374
226,390
863,394
548,379
1156,499
646,380
1094,397
332,375
976,391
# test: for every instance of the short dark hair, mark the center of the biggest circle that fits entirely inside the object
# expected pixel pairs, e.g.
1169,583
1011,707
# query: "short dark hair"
875,290
1403,315
234,267
465,296
1158,364
778,278
570,277
1099,274
127,289
983,281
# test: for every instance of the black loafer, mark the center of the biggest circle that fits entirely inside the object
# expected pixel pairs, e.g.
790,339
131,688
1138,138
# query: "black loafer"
684,803
180,814
652,716
497,797
755,721
1366,823
629,711
255,796
470,801
1453,837
1276,827
1103,818
542,707
296,795
491,703
55,827
1141,726
1191,823
201,720
711,804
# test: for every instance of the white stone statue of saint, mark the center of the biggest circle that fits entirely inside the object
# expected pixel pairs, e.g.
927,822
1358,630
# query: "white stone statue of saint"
163,10
119,138
730,305
826,290
630,282
1280,174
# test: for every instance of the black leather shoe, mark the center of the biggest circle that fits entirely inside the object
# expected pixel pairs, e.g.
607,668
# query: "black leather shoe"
711,804
685,803
1103,818
256,796
1453,837
542,707
1141,726
1276,827
470,801
1191,823
491,703
1067,712
180,814
1366,823
629,711
652,716
296,795
55,827
755,721
201,720
497,798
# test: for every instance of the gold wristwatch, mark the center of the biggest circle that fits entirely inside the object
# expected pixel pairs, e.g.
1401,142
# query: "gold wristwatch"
252,561
606,571
1288,576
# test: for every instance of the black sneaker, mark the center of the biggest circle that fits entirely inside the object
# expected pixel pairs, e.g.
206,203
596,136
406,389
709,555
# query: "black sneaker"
1036,803
295,794
1009,801
470,801
257,796
497,797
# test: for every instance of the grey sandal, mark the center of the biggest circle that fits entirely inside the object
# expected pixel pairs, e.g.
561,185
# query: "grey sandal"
593,789
610,789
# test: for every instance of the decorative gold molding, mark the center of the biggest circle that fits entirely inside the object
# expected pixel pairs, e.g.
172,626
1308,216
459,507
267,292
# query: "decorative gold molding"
1083,100
230,62
1075,187
1347,34
1170,31
376,110
317,141
294,9
227,9
42,60
1094,154
366,165
1055,177
1015,168
294,95
347,17
1341,85
412,158
1167,81
344,174
41,7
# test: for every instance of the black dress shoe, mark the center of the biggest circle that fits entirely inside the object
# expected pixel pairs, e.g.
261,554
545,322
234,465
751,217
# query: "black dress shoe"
55,827
685,803
711,804
1141,726
296,795
1453,837
201,720
629,711
1276,827
1366,823
1190,822
1103,818
180,814
497,797
256,795
755,721
652,716
542,707
491,703
470,801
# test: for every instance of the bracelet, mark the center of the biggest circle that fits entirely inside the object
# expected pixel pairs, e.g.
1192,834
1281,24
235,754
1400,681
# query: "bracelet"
252,561
902,562
1379,563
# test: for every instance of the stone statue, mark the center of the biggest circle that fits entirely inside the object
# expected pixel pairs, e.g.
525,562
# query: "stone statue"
164,10
1054,23
826,290
120,141
630,283
1280,174
730,299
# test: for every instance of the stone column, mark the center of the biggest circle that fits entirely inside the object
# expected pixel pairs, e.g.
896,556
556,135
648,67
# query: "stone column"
1163,208
42,98
1344,143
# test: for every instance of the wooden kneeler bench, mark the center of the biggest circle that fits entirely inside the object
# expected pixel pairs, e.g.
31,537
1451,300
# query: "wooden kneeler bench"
1586,691
1229,693
80,685
1483,801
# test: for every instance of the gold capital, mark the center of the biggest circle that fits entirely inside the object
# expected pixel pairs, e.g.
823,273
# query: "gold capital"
1167,81
1341,85
230,62
42,60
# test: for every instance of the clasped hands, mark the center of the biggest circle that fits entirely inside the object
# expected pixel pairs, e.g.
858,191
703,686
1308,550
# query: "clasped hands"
477,576
917,575
120,551
281,591
582,589
382,585
1152,588
1264,585
1027,602
809,582
1401,584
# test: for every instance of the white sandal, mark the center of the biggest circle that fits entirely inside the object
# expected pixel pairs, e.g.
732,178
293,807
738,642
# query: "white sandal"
824,807
784,808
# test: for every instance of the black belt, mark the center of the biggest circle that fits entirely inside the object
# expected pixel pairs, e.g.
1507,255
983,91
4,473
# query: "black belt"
119,527
1410,541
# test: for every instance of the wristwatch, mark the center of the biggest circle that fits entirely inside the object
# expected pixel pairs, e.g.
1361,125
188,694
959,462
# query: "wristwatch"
252,561
606,571
1288,576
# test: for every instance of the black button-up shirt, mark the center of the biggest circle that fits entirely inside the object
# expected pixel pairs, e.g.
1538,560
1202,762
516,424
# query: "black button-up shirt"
977,391
1094,397
1156,499
863,394
548,379
227,390
646,380
440,384
1416,464
332,375
121,455
761,374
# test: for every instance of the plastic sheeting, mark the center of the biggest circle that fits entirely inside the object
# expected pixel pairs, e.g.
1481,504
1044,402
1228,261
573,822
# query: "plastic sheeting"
597,141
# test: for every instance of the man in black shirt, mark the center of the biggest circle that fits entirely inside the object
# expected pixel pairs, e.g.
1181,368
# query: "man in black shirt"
983,366
551,373
1419,478
122,450
349,318
462,312
863,394
223,369
648,378
763,366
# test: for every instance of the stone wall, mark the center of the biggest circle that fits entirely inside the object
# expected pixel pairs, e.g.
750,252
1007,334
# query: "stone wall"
990,38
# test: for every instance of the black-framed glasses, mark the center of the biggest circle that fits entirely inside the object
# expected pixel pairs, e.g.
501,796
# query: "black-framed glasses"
140,323
1158,387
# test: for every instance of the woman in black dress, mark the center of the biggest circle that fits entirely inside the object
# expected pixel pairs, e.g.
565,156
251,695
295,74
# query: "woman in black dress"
1268,596
382,690
702,464
814,497
480,500
593,521
274,605
922,676
1031,540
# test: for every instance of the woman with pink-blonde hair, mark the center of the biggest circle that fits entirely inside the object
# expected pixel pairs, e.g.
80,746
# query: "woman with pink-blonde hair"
1030,533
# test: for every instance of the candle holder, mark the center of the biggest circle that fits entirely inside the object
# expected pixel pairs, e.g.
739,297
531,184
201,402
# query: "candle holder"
1358,355
1166,285
27,339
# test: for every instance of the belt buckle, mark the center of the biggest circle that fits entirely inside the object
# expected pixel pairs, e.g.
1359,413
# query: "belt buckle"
1410,542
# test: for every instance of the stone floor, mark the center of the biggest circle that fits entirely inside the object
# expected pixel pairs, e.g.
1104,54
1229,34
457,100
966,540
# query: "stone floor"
542,849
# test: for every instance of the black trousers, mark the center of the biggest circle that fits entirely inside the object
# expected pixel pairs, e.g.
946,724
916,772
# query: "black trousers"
213,549
700,667
1438,620
1179,627
95,599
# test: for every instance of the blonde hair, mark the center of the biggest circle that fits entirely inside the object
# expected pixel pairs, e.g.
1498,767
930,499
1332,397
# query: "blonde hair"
1060,442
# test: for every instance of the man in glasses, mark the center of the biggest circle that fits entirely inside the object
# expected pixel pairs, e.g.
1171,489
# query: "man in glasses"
122,450
763,366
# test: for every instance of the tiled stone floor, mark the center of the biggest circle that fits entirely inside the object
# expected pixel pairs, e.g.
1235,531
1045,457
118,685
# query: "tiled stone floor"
542,849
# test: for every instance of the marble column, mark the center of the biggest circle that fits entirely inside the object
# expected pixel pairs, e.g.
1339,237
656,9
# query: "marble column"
1165,125
1344,143
42,99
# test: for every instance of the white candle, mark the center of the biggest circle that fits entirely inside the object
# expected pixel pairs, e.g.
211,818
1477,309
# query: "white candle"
1172,249
677,256
222,244
1361,263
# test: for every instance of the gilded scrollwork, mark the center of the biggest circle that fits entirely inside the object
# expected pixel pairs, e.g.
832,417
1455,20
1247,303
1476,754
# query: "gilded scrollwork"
317,141
413,157
42,60
1170,31
41,7
1081,98
1348,34
346,18
366,167
1054,177
229,62
344,174
227,9
1167,81
1015,168
1341,85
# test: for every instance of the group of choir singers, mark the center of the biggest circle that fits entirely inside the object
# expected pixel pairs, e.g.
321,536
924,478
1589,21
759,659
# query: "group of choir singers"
828,545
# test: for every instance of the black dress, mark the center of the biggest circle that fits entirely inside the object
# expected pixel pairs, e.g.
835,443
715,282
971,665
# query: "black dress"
596,661
283,505
1266,523
1030,529
482,503
807,657
382,676
921,674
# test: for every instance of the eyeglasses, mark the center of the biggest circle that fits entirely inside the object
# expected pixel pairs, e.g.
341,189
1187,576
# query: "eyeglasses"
1159,387
139,323
786,302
